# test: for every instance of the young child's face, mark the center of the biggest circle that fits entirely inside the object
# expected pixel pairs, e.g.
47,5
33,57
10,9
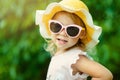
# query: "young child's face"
61,39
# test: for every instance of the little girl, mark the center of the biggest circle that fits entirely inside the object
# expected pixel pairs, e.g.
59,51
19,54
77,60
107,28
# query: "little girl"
69,27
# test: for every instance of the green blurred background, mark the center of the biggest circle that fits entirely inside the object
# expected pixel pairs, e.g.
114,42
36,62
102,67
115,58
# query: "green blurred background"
22,56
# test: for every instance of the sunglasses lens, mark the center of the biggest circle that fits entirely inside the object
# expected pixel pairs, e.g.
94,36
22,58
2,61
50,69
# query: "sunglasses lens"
55,27
72,31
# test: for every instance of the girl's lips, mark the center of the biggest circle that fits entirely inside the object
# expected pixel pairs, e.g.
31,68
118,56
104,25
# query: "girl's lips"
61,41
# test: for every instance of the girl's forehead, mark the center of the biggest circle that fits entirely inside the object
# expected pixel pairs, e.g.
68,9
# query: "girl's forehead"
64,18
67,18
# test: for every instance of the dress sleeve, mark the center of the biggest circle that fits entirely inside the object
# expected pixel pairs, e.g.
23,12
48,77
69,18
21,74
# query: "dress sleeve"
75,57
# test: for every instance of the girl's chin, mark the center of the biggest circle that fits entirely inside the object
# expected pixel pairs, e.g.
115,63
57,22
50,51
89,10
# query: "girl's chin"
61,47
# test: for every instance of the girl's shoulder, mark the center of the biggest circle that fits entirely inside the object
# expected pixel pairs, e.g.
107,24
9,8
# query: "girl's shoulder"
75,55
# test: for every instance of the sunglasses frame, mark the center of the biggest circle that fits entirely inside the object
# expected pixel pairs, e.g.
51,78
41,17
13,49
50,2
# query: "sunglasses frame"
65,28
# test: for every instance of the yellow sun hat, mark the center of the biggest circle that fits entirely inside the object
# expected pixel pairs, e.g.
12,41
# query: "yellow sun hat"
73,6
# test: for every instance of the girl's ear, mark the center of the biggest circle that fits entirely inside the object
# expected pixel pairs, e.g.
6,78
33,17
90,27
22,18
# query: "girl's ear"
82,34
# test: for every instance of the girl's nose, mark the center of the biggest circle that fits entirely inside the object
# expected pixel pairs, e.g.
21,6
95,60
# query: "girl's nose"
63,33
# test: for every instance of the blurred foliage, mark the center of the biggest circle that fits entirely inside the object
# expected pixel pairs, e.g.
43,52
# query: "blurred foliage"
22,54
